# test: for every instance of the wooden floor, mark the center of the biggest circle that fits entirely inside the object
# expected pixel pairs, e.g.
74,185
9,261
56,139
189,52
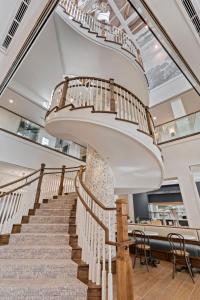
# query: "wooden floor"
159,285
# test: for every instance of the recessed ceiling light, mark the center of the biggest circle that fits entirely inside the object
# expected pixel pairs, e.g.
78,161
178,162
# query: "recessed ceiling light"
146,26
154,118
11,101
156,46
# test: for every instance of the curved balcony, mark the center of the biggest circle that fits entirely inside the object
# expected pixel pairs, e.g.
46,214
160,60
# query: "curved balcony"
104,96
111,119
106,32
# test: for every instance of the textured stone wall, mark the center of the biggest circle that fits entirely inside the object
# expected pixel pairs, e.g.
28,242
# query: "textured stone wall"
99,177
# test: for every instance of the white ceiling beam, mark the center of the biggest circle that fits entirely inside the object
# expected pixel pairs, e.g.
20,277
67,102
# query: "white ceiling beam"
131,17
121,19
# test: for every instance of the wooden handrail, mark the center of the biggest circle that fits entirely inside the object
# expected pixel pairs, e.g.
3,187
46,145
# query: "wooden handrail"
19,187
42,173
101,224
100,79
20,179
119,100
124,243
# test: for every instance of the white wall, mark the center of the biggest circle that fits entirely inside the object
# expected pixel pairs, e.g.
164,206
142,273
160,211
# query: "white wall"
22,105
15,150
178,157
7,12
9,121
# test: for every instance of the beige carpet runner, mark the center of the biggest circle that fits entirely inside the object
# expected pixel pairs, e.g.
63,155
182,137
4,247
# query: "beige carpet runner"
36,264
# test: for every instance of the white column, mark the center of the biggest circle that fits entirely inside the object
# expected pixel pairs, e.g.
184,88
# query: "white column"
131,207
178,108
191,198
182,126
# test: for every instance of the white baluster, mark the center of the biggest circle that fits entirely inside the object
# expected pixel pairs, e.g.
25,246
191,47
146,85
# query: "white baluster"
110,277
103,273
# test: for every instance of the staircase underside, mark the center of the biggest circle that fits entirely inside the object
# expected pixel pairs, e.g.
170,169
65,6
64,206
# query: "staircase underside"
136,162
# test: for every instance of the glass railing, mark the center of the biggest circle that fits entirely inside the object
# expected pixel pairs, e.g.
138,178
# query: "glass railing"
20,126
178,128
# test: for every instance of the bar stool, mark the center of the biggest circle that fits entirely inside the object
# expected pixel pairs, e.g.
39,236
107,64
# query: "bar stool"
142,247
178,251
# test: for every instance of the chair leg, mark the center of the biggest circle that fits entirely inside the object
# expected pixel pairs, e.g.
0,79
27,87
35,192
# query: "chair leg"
188,263
146,261
134,260
174,266
135,256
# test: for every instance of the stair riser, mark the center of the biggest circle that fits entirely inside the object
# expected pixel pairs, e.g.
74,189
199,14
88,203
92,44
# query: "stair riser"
44,228
17,239
38,271
50,219
48,293
52,212
56,206
35,253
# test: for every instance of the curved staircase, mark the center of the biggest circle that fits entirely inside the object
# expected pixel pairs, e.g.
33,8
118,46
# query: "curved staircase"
37,264
61,238
102,33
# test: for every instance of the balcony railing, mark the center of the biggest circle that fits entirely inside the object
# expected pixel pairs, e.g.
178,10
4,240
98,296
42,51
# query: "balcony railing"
37,134
103,96
178,128
110,33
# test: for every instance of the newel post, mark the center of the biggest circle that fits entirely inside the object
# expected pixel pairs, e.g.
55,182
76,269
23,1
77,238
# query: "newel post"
64,92
37,196
112,95
60,189
124,262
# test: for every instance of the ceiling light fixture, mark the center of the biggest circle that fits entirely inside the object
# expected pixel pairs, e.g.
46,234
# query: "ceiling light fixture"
11,101
146,26
154,118
70,17
156,46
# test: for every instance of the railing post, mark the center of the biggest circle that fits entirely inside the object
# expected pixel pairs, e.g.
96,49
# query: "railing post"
37,196
64,92
150,125
60,189
112,95
124,263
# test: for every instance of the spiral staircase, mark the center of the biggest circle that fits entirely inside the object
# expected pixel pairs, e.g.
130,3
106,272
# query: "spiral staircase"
111,112
51,219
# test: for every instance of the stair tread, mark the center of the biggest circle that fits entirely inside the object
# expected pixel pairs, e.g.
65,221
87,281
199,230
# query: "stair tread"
40,234
54,209
18,246
37,261
44,224
41,283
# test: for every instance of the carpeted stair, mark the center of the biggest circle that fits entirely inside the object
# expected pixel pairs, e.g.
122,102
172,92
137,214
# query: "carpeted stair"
36,264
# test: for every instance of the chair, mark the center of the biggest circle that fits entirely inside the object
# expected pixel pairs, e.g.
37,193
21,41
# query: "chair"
178,251
142,247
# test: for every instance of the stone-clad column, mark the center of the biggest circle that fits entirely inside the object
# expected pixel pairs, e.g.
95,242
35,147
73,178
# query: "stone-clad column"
99,179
